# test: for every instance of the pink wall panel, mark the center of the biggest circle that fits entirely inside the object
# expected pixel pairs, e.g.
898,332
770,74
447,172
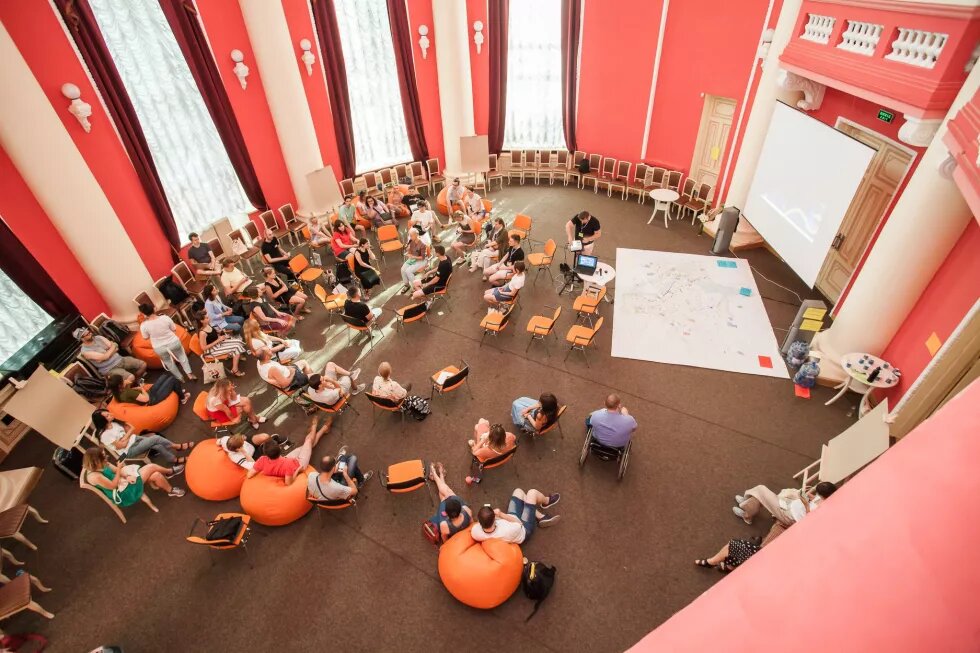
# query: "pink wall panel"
27,219
946,300
38,34
427,77
226,31
480,65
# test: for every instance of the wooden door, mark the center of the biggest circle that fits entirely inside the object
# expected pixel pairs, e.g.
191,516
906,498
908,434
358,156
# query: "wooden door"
716,123
872,198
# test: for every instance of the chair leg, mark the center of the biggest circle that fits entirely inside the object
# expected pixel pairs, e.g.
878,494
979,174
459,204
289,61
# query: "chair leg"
9,556
149,502
23,540
34,607
38,584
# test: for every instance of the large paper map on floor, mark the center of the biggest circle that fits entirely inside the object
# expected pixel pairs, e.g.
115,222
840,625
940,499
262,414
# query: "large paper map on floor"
685,309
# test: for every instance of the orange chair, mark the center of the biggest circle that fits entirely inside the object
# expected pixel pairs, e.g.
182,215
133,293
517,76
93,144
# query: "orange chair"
442,201
142,418
480,574
389,240
406,476
477,467
385,404
581,337
308,238
521,226
411,313
542,260
357,325
442,294
449,378
540,327
271,502
236,541
494,322
587,304
332,303
550,427
333,505
301,267
201,410
211,475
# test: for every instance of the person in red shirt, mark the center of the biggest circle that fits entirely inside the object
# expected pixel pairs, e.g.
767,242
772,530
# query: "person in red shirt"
288,467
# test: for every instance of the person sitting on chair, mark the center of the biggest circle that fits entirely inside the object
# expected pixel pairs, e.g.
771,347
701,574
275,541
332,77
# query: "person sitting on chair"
342,241
224,404
355,308
396,203
584,227
385,386
288,467
123,490
488,442
474,206
787,507
166,384
465,237
437,279
424,219
369,275
104,355
121,441
339,478
534,416
611,426
453,515
377,213
285,377
496,243
273,254
335,382
319,232
346,212
415,254
233,280
524,513
241,448
509,290
278,291
215,344
282,350
455,195
498,273
222,317
202,257
268,316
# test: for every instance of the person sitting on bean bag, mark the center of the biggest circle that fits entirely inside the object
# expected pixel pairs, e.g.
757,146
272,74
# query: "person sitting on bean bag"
339,479
123,391
517,524
119,439
241,449
453,514
224,403
288,467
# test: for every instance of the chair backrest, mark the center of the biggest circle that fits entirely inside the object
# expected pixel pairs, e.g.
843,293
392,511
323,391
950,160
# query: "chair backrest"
215,246
623,170
554,317
493,163
286,211
674,180
320,293
456,379
640,173
252,230
386,403
143,298
306,233
298,263
371,180
401,170
499,460
544,157
704,192
594,161
658,175
75,371
417,170
497,321
269,220
432,166
387,232
386,178
688,188
354,322
522,222
350,262
578,157
608,165
183,273
347,187
517,158
405,476
530,157
598,325
414,311
194,344
549,249
561,158
487,205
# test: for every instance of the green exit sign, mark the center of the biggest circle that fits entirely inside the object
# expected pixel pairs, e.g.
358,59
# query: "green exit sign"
885,116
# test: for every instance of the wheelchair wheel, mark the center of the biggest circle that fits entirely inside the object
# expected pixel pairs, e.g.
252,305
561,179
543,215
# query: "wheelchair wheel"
585,448
624,461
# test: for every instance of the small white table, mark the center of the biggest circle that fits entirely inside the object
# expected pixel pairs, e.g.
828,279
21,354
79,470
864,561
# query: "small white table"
858,366
604,273
662,200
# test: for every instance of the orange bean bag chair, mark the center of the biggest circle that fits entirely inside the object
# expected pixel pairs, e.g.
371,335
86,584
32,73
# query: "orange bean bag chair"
271,502
211,475
147,418
480,574
142,349
441,203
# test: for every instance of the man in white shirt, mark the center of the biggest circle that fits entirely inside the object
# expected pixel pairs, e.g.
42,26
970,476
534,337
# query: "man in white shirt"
518,523
506,292
787,507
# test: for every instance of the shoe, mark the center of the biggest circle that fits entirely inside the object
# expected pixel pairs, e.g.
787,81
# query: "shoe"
404,289
354,373
741,513
739,499
367,477
177,469
553,500
408,387
359,389
176,492
343,451
548,521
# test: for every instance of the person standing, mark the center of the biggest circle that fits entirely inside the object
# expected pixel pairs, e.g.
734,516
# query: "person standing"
584,227
161,331
612,426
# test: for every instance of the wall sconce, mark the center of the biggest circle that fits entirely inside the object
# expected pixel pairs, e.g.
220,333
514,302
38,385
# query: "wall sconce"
81,110
764,44
240,69
307,57
478,35
424,39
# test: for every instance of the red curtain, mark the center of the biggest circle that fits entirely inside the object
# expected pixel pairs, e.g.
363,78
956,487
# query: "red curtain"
498,12
401,37
571,18
24,270
183,18
85,31
332,57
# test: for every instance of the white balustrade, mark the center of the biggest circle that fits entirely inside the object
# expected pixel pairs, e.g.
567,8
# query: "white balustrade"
917,47
972,61
818,28
861,37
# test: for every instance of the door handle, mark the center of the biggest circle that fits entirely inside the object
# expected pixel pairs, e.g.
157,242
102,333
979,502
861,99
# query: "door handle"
838,241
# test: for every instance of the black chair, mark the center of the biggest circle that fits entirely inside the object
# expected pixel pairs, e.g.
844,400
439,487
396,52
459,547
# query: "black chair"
386,404
457,376
357,324
476,467
411,313
333,505
601,451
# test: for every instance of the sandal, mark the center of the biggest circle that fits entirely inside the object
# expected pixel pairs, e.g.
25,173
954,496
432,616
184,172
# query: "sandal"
187,395
192,377
180,461
703,563
237,373
186,445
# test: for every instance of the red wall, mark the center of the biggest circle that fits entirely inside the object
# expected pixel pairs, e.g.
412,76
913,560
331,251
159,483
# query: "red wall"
427,78
38,34
27,219
941,307
480,66
226,31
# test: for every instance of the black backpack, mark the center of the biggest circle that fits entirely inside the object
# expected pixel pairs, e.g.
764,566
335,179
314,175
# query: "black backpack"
115,331
173,292
537,580
91,387
583,166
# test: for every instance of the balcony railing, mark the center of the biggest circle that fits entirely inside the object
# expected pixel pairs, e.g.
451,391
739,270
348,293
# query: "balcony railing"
917,47
818,28
861,37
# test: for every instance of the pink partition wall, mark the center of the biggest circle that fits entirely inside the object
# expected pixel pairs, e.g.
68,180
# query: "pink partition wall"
887,564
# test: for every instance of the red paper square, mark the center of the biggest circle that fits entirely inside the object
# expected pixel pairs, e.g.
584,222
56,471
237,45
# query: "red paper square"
765,361
803,393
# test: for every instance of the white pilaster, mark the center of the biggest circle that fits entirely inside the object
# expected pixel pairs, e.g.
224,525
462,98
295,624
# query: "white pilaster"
45,155
455,81
268,33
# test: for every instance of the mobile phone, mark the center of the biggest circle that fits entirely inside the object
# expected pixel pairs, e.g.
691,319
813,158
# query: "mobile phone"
342,466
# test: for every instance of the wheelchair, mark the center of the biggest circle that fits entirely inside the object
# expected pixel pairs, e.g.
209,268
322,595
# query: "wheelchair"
606,453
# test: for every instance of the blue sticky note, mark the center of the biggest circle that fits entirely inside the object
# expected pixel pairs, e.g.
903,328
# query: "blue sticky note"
726,264
745,291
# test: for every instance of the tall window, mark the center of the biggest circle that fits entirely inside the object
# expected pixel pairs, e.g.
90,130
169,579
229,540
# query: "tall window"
20,318
380,138
534,116
194,168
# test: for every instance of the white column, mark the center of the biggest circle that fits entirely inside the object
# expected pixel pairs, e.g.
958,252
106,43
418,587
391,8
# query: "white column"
455,82
757,125
45,155
275,56
923,227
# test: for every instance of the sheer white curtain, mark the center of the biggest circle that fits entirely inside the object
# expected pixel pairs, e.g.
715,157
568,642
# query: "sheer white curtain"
380,138
534,117
198,177
20,317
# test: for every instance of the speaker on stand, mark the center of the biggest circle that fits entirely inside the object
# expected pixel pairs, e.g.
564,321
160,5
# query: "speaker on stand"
727,224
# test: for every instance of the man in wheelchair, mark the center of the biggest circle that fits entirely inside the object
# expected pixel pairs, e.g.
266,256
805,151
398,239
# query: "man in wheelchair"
611,426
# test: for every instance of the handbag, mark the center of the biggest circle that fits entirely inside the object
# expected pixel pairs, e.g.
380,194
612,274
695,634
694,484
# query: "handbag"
126,473
213,371
238,247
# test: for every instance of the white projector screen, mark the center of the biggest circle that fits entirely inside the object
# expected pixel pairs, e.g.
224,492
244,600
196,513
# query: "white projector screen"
806,178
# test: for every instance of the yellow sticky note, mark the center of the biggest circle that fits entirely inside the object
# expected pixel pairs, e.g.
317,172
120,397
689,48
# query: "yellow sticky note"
933,344
814,313
811,325
715,153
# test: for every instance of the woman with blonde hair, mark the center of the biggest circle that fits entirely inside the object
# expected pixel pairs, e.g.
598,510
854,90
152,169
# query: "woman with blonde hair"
283,349
224,404
385,386
219,345
121,483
